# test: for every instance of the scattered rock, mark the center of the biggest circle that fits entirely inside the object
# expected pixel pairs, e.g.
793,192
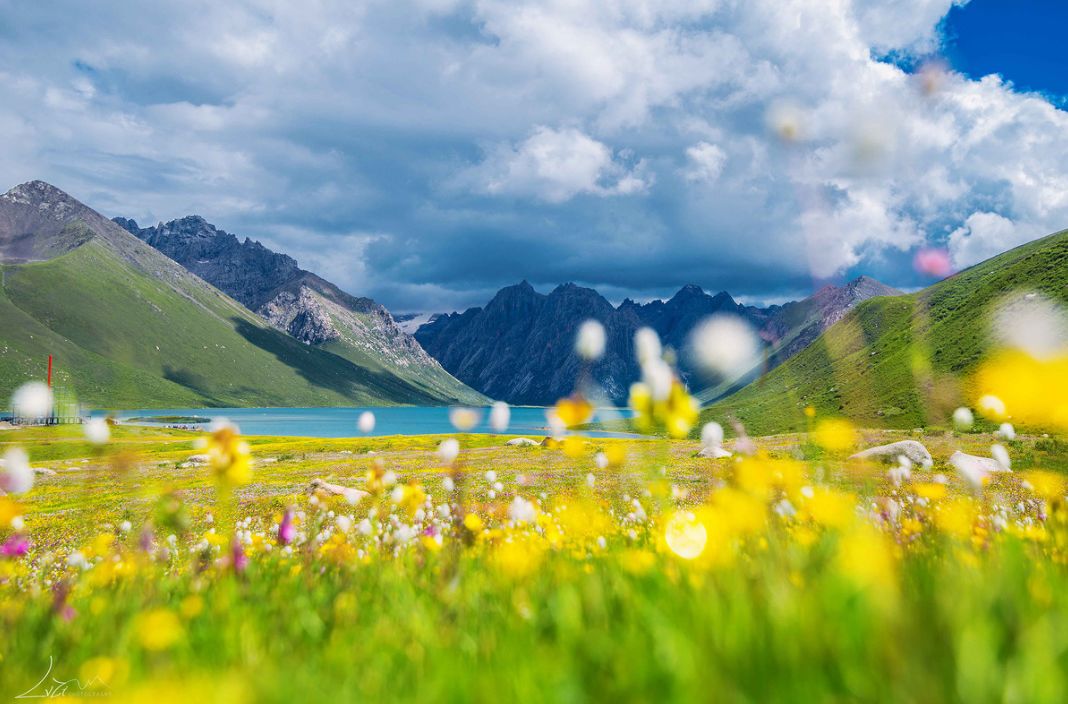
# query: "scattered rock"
912,450
715,452
522,442
353,496
198,459
966,463
44,470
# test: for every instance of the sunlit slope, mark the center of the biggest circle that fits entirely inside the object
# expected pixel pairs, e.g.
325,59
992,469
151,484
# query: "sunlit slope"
130,330
905,361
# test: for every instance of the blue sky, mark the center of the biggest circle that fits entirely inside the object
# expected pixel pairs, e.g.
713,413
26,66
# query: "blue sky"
428,152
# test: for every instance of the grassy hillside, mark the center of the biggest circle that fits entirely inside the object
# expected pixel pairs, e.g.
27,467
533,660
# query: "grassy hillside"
125,337
900,362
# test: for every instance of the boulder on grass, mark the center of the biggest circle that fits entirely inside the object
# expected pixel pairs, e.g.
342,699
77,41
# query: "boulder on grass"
912,450
353,496
968,464
715,452
522,442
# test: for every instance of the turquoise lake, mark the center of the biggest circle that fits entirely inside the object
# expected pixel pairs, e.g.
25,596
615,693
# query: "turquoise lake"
341,422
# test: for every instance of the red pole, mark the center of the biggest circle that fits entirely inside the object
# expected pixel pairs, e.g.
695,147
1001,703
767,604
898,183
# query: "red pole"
50,371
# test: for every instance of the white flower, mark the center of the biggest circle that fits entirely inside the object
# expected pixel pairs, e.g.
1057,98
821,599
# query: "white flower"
464,419
591,340
389,478
991,406
397,495
1001,456
657,375
17,523
711,435
97,431
18,475
448,484
353,496
647,345
590,480
366,422
491,476
557,427
344,524
725,346
77,559
364,527
32,400
963,418
125,526
1006,431
601,542
500,415
522,511
601,460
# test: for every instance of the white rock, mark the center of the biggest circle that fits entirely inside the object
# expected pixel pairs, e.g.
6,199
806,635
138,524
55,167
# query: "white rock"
911,450
521,442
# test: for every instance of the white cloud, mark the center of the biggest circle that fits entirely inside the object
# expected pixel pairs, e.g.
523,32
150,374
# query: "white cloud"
985,234
555,166
706,162
361,117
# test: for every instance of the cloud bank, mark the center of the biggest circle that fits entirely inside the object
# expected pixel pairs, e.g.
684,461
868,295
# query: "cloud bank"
427,152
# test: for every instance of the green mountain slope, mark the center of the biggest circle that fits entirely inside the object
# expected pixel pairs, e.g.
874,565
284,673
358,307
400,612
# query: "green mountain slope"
900,362
130,328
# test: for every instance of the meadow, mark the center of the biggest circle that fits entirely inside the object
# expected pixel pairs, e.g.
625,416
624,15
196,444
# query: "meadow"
590,570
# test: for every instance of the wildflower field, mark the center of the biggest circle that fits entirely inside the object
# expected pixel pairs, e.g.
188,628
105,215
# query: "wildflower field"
589,570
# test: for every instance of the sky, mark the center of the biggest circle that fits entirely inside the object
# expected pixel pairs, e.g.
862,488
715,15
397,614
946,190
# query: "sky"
428,152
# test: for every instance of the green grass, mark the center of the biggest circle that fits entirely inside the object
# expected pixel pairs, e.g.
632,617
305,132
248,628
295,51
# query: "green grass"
901,362
129,339
788,612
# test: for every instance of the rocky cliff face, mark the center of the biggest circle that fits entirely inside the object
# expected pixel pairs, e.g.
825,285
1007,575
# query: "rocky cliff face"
519,347
296,301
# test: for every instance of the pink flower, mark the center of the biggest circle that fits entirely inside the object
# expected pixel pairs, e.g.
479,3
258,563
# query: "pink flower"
286,530
238,557
15,546
933,262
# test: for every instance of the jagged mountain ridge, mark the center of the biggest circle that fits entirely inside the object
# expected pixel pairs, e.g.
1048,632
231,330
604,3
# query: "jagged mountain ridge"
519,347
298,302
130,328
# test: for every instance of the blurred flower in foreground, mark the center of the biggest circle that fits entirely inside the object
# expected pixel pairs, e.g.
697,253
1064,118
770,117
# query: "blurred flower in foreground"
448,450
835,434
32,400
685,535
1033,324
159,629
991,406
286,530
15,546
499,417
725,346
464,419
933,262
590,342
17,477
647,345
574,410
786,120
963,418
366,422
676,414
97,431
229,456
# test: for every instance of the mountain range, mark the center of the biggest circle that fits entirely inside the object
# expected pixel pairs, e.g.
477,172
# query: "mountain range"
520,346
300,303
905,361
130,327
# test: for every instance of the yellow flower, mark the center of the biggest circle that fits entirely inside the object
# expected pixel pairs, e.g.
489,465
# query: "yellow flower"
573,446
518,558
159,629
676,414
956,517
191,606
409,497
473,522
229,456
685,535
1033,391
835,434
1047,485
615,455
866,558
931,491
574,410
830,508
9,510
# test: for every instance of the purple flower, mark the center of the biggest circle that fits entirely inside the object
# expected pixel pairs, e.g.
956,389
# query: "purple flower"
15,546
286,530
238,557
